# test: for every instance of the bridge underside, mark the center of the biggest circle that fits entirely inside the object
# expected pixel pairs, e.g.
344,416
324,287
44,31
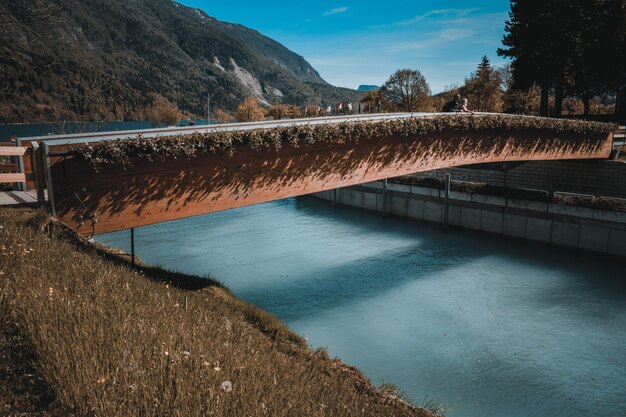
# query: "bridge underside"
152,192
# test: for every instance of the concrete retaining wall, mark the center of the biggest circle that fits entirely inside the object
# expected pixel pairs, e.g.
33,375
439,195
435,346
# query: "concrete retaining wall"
579,227
597,177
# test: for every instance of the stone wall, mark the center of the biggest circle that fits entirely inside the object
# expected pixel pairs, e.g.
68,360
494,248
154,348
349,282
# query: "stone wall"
585,228
597,177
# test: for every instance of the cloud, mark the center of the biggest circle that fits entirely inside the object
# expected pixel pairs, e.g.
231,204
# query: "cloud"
442,37
457,13
335,11
416,19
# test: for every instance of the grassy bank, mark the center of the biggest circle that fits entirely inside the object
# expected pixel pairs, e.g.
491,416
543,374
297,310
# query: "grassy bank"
82,333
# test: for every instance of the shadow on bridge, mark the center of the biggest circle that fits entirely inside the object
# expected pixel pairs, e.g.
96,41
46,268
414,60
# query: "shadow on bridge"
151,192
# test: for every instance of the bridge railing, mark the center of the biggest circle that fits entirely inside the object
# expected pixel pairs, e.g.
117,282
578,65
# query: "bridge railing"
9,170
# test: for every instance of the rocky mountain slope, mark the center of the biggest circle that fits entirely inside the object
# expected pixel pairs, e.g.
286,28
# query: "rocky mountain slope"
112,59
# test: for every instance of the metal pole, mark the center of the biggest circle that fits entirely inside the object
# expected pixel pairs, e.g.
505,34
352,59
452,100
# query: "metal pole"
132,246
447,178
208,107
384,197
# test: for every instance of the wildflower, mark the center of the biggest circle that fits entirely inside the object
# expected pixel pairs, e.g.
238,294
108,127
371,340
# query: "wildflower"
101,381
227,386
217,368
166,353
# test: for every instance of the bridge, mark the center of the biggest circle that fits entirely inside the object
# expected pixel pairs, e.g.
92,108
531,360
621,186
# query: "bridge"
103,182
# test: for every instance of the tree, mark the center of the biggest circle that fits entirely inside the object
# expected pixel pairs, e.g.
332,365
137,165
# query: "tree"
278,111
483,88
519,101
162,111
600,48
250,111
222,116
574,46
311,110
374,102
406,90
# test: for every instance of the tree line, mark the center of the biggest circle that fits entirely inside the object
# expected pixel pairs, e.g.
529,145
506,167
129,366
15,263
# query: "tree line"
567,47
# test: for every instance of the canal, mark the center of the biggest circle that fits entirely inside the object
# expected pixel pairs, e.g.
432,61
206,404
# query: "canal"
485,325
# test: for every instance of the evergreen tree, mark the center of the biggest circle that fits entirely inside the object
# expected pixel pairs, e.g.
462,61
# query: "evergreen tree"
483,88
567,45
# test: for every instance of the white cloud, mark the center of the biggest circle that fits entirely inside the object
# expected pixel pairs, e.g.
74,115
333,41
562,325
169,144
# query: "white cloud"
436,39
419,18
449,13
335,11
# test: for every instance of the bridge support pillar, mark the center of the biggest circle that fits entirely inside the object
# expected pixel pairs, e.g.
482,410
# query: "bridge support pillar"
447,179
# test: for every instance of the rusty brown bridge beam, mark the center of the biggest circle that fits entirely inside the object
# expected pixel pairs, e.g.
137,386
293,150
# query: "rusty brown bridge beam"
151,192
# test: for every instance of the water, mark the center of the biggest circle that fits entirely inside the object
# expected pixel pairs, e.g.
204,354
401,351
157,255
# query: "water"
488,326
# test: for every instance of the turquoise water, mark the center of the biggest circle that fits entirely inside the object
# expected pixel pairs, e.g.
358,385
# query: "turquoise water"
485,325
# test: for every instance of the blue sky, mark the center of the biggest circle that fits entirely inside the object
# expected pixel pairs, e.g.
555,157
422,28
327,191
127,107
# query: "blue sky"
364,42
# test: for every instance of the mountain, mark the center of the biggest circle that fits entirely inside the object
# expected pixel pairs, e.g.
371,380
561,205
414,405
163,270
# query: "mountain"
113,59
365,88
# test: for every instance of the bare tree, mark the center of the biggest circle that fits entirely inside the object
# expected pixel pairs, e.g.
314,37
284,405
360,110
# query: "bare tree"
406,90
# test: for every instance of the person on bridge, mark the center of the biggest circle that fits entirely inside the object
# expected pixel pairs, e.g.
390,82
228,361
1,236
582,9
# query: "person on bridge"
452,105
464,108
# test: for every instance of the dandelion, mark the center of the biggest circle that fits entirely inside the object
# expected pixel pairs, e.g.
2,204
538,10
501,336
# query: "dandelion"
227,386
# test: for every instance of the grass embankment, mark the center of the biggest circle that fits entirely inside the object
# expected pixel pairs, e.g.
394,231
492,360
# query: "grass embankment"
602,203
82,333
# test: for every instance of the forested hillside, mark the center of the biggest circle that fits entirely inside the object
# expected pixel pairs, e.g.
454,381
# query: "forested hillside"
113,59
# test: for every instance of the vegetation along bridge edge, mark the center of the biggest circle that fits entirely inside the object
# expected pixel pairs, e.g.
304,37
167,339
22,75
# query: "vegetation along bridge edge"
101,186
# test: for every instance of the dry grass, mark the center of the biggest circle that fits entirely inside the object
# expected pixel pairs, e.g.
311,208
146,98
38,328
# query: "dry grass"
102,339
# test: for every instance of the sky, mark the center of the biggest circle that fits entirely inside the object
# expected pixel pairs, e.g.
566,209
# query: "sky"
363,42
